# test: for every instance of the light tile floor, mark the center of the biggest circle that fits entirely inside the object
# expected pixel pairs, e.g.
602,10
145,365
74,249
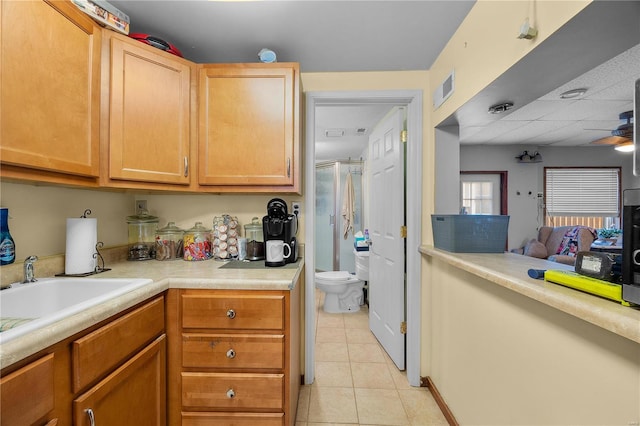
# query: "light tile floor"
356,382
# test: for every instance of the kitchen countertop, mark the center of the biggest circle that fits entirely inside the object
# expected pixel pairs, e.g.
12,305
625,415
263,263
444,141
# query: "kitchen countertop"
509,270
167,274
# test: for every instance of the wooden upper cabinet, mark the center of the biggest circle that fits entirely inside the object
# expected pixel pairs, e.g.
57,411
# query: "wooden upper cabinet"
49,91
249,127
149,114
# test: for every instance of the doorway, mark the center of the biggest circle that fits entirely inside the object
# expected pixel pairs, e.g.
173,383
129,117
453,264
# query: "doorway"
412,100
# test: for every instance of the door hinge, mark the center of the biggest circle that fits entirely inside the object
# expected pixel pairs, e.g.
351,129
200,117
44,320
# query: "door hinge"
403,327
403,231
403,136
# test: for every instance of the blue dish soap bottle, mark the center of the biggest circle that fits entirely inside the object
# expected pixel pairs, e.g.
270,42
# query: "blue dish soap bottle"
7,246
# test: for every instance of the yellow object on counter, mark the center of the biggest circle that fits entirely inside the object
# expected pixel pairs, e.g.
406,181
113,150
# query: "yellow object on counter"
590,285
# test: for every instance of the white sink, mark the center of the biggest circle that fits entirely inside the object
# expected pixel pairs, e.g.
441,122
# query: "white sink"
51,299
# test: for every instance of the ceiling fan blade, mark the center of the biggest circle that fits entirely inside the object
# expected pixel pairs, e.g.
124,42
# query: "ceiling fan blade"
610,140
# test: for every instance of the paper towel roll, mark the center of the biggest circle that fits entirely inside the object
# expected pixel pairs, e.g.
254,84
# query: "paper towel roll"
82,237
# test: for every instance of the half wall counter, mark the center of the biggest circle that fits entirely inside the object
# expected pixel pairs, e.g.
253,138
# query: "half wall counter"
503,348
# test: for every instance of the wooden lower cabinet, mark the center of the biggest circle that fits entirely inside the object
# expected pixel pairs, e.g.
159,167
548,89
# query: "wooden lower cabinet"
116,369
236,419
234,357
134,394
27,395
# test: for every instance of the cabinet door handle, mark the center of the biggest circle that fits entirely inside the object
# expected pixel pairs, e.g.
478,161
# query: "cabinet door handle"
92,418
186,166
231,393
231,354
231,314
289,167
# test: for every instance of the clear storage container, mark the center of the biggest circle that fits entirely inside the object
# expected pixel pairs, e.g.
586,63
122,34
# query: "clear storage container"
197,243
255,239
142,236
169,242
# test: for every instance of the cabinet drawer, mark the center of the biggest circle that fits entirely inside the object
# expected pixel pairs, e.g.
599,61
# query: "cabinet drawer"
27,394
236,419
100,352
233,351
233,312
240,391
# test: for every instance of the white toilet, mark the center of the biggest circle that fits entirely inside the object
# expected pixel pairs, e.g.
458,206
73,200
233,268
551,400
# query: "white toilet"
343,291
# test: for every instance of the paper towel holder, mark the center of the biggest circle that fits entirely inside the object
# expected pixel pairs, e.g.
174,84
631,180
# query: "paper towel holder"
100,262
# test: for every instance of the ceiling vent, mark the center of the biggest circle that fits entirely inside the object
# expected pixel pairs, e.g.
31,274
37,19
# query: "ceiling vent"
334,133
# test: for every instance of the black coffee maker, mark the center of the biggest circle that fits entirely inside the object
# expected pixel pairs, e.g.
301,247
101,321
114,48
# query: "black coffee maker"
279,225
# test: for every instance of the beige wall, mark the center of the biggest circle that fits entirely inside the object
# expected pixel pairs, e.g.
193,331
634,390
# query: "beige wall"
500,358
38,213
484,47
496,356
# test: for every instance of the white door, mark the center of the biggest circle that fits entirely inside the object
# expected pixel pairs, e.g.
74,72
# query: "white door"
387,252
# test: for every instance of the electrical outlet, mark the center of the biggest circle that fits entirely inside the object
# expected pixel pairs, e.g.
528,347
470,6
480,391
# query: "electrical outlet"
141,205
296,208
540,194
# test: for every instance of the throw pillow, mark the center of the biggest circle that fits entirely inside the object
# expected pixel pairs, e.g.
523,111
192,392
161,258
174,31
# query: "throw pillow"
535,248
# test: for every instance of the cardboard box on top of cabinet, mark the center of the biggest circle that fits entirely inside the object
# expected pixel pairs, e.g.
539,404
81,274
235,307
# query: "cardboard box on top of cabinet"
106,14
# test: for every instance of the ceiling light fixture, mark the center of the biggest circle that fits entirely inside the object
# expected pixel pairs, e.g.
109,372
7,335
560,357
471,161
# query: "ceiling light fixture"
625,147
526,157
500,108
572,94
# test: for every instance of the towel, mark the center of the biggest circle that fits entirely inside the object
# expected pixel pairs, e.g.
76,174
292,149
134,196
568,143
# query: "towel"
348,207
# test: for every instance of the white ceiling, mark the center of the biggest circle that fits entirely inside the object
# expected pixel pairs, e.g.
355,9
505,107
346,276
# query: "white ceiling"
550,120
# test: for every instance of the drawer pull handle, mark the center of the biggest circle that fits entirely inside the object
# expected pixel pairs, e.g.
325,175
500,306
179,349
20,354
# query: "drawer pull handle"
231,393
231,314
231,354
92,418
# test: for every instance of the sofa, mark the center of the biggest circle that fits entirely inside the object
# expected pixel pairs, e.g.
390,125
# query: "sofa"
559,244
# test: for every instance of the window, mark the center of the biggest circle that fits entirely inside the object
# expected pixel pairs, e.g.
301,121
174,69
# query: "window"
483,192
587,196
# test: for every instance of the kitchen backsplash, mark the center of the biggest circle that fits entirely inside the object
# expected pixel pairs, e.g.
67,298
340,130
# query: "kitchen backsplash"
38,213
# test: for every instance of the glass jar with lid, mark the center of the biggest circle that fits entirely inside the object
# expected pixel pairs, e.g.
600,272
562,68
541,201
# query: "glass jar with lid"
255,239
197,243
169,244
142,236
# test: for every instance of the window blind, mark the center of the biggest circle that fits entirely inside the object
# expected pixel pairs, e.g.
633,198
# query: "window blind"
582,192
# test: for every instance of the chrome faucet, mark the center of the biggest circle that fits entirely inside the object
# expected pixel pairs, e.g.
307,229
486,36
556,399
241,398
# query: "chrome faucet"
29,274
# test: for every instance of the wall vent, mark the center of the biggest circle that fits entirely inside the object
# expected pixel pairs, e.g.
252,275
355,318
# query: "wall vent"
445,90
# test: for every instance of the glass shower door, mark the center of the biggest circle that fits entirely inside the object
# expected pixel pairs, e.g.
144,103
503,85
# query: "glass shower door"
333,252
325,217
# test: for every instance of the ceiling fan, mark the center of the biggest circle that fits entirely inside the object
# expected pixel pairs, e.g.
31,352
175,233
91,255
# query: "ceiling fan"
622,136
